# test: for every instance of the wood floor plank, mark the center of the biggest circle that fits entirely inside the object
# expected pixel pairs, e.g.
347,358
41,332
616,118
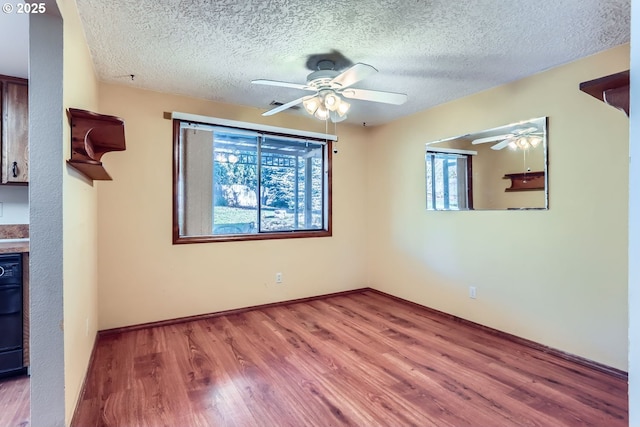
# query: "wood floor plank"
362,359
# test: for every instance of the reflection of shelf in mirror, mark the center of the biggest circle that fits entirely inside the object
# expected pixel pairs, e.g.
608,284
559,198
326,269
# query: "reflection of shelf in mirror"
525,181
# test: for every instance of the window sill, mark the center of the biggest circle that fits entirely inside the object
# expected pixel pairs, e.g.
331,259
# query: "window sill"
178,240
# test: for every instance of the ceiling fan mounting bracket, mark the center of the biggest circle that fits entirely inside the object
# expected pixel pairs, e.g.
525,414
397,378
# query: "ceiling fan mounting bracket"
326,64
321,78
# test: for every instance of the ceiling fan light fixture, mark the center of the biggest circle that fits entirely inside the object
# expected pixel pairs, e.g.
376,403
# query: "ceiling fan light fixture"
336,117
343,107
332,101
535,141
327,104
311,104
513,145
322,113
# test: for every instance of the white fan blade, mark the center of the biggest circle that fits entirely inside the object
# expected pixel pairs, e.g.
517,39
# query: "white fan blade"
491,138
283,107
500,145
282,84
525,131
375,96
353,75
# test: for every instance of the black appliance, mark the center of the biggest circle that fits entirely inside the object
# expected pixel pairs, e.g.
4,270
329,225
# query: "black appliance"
11,314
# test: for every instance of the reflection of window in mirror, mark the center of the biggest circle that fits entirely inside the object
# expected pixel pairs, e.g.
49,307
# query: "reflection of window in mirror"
448,174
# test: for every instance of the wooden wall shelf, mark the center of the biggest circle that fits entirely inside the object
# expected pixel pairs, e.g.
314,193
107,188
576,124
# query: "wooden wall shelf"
93,135
612,90
525,181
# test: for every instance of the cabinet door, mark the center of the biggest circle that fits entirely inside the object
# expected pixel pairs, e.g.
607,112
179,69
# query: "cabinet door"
15,132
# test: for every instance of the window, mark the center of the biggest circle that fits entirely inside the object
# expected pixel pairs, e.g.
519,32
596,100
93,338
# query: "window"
235,183
448,174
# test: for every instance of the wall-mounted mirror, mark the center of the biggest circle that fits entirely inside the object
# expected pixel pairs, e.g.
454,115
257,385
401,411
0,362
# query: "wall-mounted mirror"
496,169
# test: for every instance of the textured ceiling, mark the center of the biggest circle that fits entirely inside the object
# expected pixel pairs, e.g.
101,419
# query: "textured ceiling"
433,50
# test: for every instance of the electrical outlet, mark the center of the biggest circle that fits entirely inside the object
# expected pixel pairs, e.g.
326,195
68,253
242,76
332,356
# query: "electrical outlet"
472,292
278,277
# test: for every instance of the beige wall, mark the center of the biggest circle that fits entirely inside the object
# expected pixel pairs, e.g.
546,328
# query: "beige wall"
80,217
144,278
558,277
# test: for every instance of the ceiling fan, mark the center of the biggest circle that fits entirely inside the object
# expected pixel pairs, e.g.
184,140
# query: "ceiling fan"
522,138
330,87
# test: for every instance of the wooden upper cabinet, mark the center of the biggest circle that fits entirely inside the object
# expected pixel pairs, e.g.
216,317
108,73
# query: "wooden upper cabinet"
15,130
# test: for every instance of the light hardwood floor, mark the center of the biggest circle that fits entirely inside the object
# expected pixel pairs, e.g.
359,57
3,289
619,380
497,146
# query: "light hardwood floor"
362,359
14,402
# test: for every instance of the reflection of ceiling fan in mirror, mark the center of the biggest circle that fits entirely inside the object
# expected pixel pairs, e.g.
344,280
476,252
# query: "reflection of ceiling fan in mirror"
523,138
331,87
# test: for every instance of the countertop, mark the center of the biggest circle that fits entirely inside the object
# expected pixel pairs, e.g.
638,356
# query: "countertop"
14,245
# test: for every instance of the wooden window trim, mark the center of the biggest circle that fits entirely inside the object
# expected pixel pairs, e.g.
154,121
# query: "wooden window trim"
178,240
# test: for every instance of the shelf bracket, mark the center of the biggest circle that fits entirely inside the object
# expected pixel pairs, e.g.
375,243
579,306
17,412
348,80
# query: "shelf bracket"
612,90
93,135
